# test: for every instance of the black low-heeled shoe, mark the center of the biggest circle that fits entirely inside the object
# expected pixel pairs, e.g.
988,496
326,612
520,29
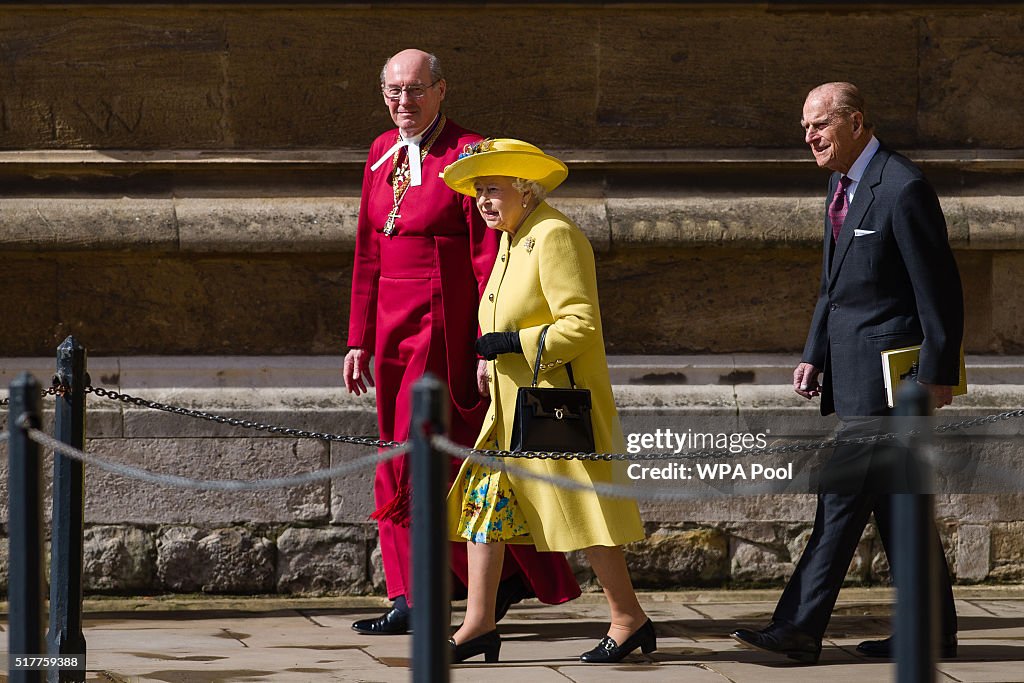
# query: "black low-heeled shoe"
783,639
394,622
489,645
609,652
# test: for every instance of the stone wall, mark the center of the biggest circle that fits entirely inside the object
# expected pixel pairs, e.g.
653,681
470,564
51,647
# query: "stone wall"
147,538
244,77
343,559
712,279
162,164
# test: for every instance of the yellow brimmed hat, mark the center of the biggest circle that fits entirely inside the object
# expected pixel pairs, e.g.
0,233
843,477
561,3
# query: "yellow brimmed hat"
504,157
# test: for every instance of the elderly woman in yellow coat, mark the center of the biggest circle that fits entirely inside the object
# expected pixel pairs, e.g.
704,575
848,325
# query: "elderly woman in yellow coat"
544,277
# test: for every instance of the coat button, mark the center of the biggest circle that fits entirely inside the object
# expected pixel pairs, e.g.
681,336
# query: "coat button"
490,297
502,258
833,306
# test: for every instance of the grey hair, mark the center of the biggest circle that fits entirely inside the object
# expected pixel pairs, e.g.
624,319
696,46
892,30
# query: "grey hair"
532,186
846,99
433,63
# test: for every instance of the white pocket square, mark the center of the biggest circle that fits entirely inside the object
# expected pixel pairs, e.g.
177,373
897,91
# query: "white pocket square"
861,233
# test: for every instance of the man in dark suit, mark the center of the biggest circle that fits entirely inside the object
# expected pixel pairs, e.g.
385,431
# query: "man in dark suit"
889,280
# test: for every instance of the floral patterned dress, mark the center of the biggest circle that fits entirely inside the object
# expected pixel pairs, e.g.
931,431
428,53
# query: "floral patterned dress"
490,513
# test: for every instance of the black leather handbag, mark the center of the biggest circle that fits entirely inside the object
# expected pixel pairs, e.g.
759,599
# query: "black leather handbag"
552,419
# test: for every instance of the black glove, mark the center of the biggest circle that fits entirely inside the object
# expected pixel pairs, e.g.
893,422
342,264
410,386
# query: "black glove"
494,343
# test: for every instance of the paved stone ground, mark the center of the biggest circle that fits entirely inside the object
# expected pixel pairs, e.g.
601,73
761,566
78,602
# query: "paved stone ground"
186,640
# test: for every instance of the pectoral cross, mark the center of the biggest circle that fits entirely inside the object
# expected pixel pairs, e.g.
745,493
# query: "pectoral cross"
389,224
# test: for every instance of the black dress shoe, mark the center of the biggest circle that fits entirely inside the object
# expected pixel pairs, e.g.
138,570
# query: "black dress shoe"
781,639
884,648
609,652
511,591
394,622
488,645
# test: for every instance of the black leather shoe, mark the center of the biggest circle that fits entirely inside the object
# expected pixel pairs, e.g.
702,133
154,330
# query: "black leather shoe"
510,591
394,622
609,652
488,645
781,639
883,648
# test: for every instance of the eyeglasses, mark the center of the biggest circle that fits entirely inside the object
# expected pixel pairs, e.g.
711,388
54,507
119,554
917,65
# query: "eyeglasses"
417,92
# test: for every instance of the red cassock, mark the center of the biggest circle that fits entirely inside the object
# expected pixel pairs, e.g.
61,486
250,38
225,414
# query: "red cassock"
414,302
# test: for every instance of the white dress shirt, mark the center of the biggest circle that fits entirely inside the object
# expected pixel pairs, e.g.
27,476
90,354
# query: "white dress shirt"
857,170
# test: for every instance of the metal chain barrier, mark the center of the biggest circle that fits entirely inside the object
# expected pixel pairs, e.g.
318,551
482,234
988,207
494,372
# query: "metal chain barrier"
45,440
235,422
57,389
983,420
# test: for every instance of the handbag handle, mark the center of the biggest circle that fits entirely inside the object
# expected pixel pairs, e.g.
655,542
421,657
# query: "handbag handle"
540,351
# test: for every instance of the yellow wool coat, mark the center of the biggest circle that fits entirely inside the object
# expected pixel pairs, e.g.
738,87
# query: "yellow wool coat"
545,275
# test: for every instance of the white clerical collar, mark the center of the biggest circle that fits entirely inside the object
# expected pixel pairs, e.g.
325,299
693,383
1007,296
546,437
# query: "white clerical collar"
419,136
413,143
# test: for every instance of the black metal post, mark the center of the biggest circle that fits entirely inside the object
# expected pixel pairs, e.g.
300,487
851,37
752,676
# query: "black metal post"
431,593
916,628
66,538
25,526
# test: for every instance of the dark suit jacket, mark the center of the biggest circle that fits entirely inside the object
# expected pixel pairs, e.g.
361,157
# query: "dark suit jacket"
895,286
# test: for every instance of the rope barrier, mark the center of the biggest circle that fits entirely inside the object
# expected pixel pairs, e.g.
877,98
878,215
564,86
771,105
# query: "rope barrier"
47,441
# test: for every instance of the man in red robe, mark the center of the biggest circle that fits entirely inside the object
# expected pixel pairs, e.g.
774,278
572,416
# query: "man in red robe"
423,256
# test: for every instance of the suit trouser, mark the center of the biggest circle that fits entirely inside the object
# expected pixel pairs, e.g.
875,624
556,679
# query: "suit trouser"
839,521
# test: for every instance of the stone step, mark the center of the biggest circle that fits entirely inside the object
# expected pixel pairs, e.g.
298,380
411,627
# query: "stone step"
731,369
76,162
270,224
273,388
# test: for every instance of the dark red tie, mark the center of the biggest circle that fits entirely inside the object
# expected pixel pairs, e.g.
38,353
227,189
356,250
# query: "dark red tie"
838,206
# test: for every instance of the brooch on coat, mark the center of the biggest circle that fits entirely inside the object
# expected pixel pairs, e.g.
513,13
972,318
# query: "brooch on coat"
528,244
